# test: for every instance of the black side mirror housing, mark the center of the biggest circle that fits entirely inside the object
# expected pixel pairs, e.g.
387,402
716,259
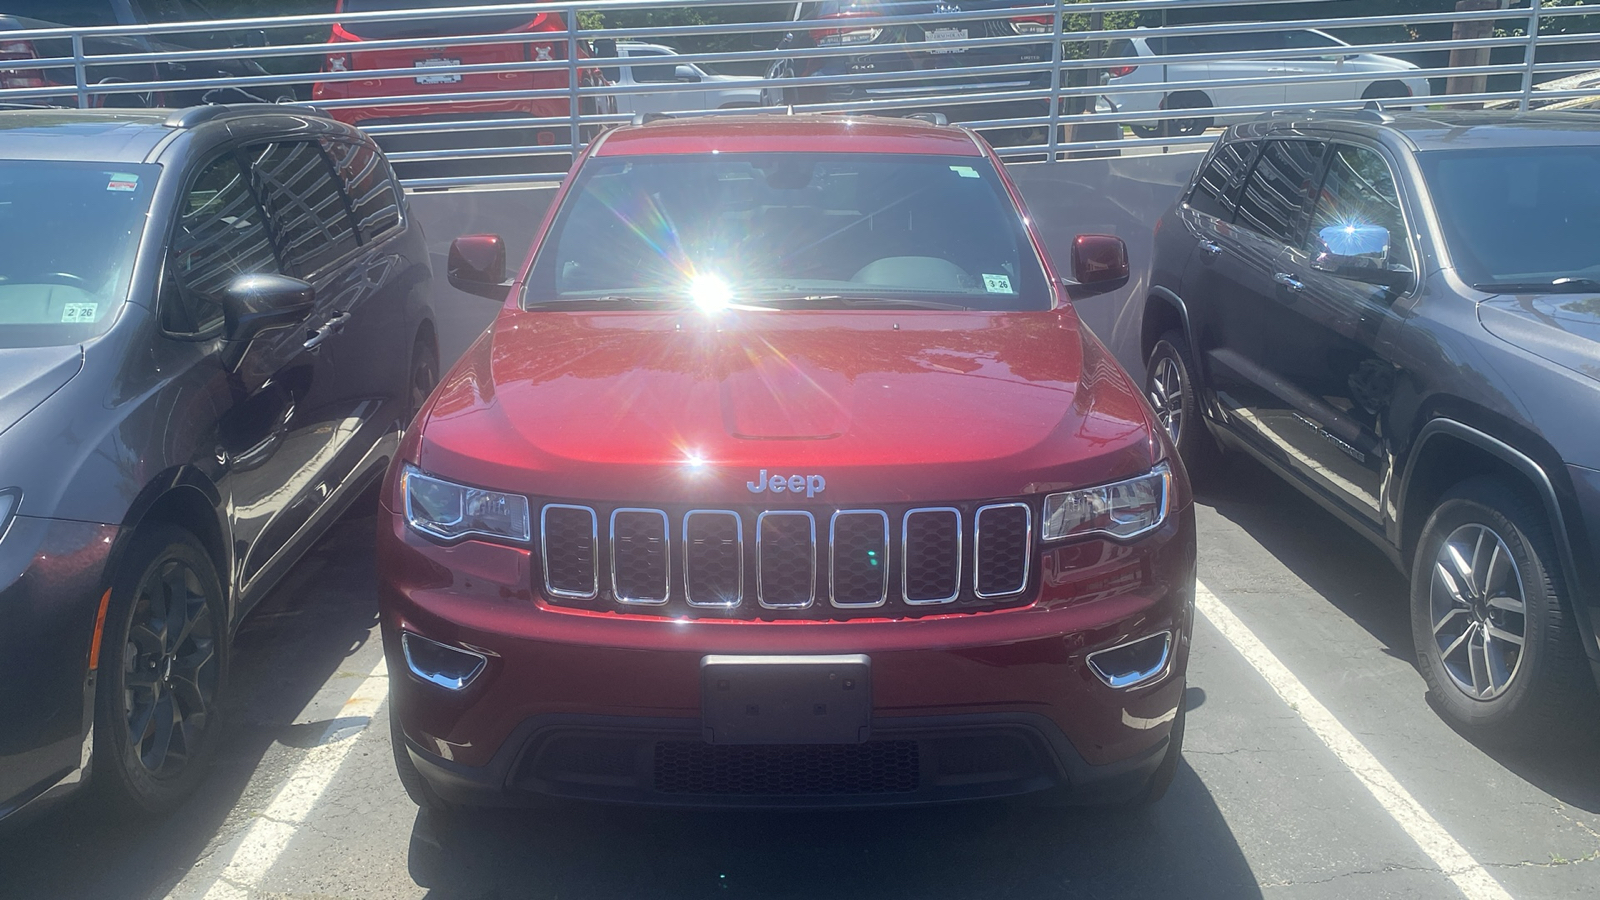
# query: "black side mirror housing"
477,265
255,303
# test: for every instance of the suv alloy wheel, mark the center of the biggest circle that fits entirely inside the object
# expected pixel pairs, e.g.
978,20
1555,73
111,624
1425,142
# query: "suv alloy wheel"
1495,642
1169,386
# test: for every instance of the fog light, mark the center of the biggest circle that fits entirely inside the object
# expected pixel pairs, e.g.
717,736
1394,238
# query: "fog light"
451,668
1134,663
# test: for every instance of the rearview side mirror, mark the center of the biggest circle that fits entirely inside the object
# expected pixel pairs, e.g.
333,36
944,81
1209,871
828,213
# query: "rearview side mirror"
1357,253
686,73
1099,265
255,303
477,265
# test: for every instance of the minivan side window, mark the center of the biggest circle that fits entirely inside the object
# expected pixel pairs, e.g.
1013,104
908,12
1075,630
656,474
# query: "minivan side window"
220,234
1360,190
369,183
1277,197
306,208
1216,189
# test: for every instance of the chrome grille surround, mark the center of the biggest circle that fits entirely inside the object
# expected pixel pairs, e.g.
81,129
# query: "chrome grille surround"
833,559
905,556
762,547
666,559
594,552
688,559
977,551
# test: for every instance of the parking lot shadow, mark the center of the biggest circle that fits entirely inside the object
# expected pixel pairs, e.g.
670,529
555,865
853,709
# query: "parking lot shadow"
288,647
1181,847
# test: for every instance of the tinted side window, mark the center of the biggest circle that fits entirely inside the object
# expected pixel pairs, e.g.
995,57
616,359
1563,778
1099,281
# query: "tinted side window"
369,182
1360,190
1216,190
310,218
657,74
220,234
1277,196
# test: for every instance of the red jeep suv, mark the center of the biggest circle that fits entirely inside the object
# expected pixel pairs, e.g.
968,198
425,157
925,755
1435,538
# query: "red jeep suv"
787,476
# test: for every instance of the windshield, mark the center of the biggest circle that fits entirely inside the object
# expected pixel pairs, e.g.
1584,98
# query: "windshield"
69,233
1529,214
428,27
791,226
65,12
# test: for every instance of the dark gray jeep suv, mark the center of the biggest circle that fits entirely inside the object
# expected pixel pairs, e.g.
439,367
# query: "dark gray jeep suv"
214,325
1400,314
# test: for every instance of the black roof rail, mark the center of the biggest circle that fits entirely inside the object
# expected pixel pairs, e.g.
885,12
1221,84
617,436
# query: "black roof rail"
191,116
932,118
1369,113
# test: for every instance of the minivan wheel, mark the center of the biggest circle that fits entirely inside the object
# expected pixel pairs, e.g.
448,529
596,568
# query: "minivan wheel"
163,664
1174,396
1495,641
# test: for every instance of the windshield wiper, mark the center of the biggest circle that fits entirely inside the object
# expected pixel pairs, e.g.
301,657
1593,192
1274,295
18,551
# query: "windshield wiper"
1557,286
607,300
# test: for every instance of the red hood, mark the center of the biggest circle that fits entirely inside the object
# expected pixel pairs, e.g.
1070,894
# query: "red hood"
885,406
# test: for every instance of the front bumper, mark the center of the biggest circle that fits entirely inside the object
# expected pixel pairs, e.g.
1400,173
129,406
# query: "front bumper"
606,706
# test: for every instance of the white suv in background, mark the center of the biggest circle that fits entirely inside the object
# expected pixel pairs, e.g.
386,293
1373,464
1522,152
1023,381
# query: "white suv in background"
651,64
1384,76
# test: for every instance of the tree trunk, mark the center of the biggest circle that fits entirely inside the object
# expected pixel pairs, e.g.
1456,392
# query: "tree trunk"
1471,56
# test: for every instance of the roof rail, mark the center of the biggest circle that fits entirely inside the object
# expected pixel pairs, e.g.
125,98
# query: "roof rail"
1369,113
645,118
191,116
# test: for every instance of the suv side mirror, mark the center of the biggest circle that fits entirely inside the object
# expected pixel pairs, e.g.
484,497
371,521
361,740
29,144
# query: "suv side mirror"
477,265
255,303
1356,253
1099,265
686,73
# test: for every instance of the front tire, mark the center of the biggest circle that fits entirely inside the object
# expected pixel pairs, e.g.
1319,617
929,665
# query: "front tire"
163,665
1174,395
416,786
1167,772
1495,640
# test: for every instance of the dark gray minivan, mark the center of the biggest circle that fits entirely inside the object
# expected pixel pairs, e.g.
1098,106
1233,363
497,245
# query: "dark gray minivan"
214,326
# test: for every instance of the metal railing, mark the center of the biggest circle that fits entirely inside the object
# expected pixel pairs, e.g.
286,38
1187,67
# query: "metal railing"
1045,80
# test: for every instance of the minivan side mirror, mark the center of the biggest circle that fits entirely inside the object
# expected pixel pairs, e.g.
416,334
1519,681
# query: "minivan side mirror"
254,303
686,73
1099,265
1357,253
477,265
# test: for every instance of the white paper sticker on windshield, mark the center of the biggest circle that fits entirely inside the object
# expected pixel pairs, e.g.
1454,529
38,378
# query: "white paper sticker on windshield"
79,312
965,171
997,284
122,181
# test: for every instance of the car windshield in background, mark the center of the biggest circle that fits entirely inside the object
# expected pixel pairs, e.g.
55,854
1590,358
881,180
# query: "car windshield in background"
427,27
66,12
1519,216
69,233
821,228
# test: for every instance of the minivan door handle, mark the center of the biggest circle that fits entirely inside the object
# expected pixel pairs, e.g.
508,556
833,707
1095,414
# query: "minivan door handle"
1289,281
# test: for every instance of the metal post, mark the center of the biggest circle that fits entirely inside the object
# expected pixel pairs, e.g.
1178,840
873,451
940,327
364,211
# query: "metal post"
1535,7
1055,80
572,82
79,71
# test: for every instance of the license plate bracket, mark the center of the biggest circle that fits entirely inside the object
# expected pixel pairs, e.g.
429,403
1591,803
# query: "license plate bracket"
442,77
786,699
944,35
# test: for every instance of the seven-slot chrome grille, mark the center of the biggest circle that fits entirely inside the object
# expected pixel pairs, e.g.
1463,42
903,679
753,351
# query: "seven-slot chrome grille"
811,563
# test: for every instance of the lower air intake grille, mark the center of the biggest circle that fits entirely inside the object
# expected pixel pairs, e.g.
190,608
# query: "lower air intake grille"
763,770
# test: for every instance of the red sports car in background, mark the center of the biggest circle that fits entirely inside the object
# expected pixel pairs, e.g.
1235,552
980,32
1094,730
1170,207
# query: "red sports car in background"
787,476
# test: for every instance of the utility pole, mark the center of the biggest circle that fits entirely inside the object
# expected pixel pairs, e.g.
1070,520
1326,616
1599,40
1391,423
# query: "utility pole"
1476,29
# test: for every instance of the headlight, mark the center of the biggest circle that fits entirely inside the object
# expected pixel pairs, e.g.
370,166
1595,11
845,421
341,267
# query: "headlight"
1125,509
444,510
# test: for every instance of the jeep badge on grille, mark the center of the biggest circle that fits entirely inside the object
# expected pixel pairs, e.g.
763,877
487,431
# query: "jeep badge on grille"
812,485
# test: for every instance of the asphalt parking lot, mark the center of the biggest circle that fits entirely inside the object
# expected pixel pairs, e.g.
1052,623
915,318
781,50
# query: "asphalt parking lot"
304,803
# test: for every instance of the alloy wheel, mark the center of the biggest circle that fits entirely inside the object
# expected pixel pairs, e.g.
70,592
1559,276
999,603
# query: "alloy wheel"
1478,611
169,668
1166,396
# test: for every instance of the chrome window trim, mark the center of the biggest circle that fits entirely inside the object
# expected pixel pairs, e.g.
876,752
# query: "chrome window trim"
812,520
666,544
833,524
738,525
905,557
594,544
977,550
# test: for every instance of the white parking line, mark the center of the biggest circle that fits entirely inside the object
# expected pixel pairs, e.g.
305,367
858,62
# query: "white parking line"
270,834
1470,876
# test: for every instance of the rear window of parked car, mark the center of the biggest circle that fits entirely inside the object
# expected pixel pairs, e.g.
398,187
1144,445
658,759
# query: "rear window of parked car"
793,227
